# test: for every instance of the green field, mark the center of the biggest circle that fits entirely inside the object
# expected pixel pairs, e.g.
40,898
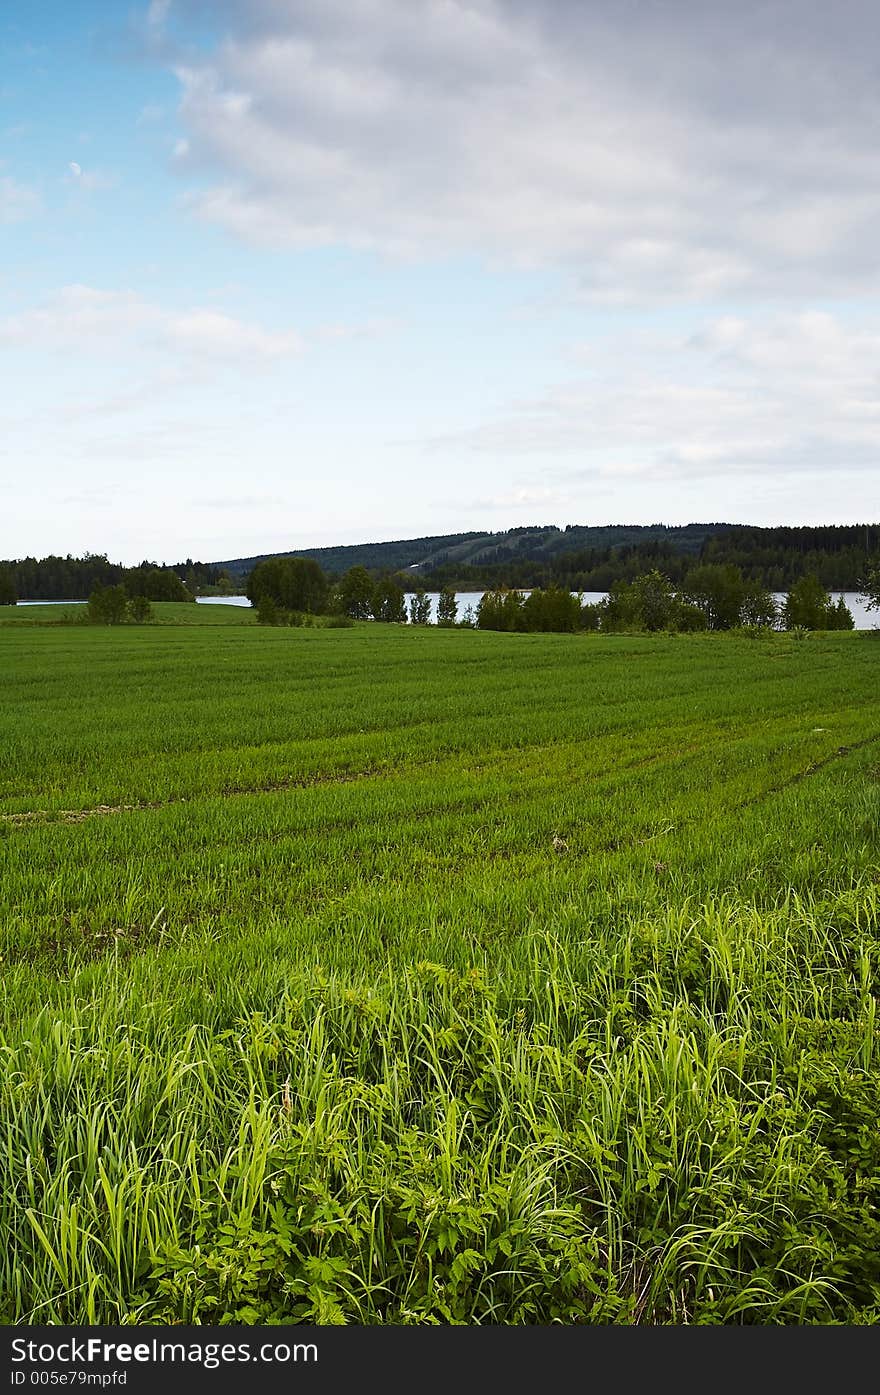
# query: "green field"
166,612
394,975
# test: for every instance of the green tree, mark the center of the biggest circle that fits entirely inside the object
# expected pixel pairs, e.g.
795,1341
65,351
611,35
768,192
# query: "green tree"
420,607
807,605
719,590
356,593
108,605
500,610
8,592
840,617
552,608
758,605
620,609
267,610
870,587
140,610
294,583
689,619
591,616
447,607
157,584
654,601
389,601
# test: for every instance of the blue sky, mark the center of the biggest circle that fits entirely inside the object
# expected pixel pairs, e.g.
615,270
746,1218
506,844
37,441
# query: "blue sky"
283,273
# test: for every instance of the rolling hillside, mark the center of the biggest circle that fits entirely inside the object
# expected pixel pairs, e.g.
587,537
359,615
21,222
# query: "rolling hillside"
536,543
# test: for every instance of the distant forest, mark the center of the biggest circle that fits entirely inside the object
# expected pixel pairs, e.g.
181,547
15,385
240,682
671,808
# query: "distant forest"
585,558
74,578
775,557
579,557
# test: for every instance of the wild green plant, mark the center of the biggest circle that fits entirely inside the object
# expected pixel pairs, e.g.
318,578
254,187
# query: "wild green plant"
306,1016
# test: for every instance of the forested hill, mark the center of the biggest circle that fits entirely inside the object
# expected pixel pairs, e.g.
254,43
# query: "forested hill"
537,543
579,557
592,558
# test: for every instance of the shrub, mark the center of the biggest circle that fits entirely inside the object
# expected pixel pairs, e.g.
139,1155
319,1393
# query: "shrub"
267,610
389,602
108,605
552,609
420,608
139,610
293,583
590,616
690,619
808,606
356,593
447,607
156,584
501,610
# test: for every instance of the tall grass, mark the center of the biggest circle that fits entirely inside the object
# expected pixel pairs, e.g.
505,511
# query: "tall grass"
322,1027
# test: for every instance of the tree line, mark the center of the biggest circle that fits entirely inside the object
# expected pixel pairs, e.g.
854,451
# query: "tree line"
69,578
284,589
713,596
775,557
701,595
716,596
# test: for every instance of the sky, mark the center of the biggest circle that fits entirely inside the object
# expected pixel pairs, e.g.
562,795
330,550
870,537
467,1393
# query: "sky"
287,273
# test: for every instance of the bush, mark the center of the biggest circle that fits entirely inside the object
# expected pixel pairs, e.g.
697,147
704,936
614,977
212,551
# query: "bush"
501,610
840,617
108,605
719,591
356,594
420,608
808,606
389,602
156,584
552,609
870,587
267,610
591,616
447,607
293,583
690,619
139,610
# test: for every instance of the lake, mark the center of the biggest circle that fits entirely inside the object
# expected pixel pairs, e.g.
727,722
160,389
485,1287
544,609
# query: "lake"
865,619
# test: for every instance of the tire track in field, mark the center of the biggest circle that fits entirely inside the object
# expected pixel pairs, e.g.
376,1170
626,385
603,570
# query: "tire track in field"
812,769
30,817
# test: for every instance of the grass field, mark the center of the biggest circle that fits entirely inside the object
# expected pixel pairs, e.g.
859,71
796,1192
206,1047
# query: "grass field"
165,612
388,975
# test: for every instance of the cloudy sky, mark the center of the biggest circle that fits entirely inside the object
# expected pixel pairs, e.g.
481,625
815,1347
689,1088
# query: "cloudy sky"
289,272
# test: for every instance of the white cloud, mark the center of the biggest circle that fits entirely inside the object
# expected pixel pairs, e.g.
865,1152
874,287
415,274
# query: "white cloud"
157,13
654,151
795,393
86,318
208,332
